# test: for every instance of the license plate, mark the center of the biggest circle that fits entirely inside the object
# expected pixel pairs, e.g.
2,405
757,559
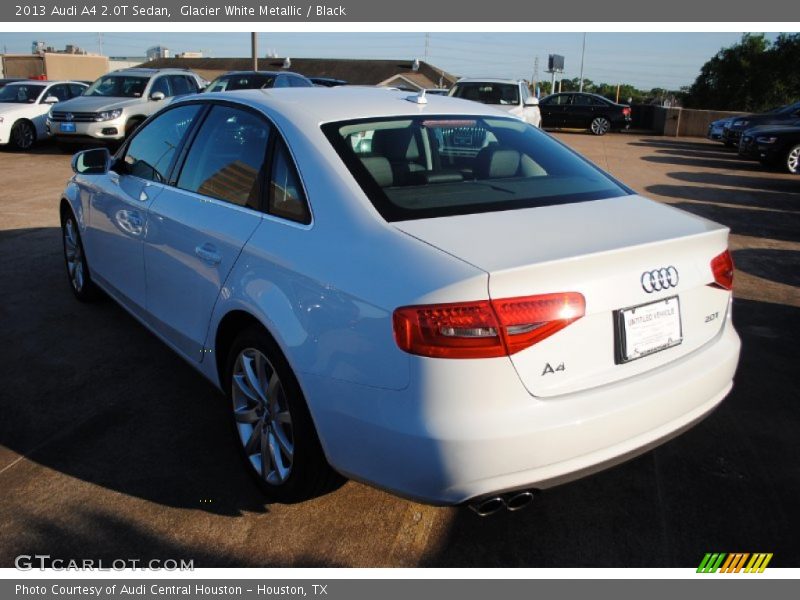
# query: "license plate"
648,328
67,127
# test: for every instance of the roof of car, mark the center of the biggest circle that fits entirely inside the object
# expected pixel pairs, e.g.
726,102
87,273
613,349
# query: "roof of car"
487,80
146,71
314,105
44,82
267,73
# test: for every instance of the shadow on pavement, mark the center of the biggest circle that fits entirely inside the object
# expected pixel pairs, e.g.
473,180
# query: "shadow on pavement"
781,266
789,184
776,225
744,198
705,163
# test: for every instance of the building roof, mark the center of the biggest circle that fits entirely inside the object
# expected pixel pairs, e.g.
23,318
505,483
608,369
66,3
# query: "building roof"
356,71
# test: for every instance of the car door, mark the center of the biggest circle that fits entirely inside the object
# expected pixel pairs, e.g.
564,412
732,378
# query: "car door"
199,226
579,112
120,204
552,109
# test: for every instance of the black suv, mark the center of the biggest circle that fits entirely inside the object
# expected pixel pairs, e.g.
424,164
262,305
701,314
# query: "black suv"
584,111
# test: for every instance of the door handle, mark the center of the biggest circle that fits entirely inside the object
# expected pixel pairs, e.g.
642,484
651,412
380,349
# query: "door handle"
208,253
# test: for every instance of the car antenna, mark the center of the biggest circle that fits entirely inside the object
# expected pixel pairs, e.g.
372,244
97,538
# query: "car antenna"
419,98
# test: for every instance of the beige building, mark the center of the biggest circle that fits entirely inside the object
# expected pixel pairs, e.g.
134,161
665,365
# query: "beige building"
55,65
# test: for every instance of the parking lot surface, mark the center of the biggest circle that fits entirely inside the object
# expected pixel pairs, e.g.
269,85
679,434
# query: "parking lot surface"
111,447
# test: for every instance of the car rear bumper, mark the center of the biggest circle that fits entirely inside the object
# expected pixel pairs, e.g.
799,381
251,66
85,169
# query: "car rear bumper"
468,429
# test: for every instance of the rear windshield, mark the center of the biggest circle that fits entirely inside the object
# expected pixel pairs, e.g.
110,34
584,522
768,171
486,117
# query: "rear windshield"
118,86
241,82
422,167
488,93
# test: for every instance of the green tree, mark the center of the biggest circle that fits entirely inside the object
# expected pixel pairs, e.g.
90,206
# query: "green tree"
752,75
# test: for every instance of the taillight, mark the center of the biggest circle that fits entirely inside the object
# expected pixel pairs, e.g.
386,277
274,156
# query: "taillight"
484,329
722,268
626,111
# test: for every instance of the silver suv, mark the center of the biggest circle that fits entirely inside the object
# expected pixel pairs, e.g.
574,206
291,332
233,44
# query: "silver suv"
117,103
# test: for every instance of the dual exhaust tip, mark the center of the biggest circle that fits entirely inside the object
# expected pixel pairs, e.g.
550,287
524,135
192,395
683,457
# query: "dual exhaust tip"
513,501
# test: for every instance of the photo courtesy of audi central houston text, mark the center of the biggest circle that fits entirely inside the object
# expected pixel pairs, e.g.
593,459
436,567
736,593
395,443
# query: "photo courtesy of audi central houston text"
294,299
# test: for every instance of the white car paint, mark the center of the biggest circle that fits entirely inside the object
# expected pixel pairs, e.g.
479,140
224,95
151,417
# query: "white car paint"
439,430
35,112
525,109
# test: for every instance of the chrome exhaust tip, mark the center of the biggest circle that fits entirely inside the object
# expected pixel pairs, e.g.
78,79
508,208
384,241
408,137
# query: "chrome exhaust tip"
518,501
488,506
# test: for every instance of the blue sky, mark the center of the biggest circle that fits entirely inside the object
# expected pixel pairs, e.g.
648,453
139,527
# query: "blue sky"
645,60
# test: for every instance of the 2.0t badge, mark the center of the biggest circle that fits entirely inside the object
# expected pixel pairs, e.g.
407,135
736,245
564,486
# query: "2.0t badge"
659,279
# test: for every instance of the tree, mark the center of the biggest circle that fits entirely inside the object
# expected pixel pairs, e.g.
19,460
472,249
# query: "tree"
752,75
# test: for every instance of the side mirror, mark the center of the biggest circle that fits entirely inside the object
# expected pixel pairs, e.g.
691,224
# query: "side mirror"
157,96
532,101
96,161
51,100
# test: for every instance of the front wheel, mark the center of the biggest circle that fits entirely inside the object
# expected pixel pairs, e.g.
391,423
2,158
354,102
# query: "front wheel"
75,258
792,162
23,135
273,426
600,126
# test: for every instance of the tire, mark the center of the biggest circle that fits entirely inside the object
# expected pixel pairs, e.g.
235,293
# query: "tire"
792,160
80,281
23,135
600,126
271,422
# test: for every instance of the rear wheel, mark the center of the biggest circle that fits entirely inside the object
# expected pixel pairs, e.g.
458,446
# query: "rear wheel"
273,426
792,161
600,126
77,269
23,135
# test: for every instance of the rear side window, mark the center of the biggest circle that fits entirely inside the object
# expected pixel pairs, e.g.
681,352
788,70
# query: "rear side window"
427,166
180,85
150,153
286,197
227,156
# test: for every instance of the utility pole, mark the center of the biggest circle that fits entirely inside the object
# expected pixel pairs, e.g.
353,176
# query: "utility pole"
583,55
427,43
254,49
535,77
100,42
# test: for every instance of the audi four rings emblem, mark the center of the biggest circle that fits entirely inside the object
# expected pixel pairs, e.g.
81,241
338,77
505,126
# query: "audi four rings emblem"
659,279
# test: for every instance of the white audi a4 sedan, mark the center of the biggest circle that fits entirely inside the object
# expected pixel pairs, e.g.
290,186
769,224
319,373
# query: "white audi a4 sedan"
424,294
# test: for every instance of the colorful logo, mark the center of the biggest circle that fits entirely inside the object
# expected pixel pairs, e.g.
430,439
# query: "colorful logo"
722,562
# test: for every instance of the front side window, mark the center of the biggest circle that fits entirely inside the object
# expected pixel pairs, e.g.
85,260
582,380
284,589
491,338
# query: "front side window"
60,91
22,93
76,90
227,156
152,150
488,93
118,86
425,166
161,84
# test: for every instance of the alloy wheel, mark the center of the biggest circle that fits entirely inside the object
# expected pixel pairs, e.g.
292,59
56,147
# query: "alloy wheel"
600,126
23,135
793,160
74,255
262,416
